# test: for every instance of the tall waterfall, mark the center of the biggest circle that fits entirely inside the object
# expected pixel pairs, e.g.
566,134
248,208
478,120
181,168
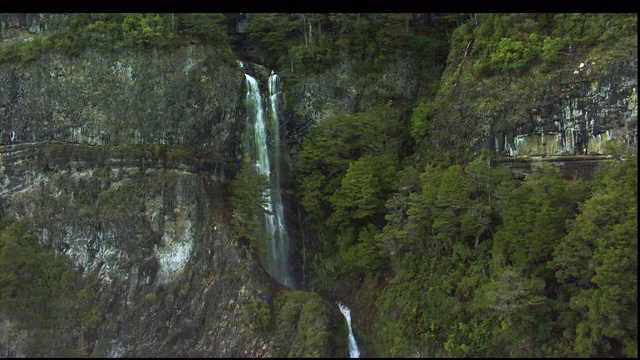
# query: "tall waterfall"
275,262
353,347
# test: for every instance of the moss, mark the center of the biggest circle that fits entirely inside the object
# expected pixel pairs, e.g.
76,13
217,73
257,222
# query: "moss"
176,153
100,350
316,327
259,314
150,297
185,288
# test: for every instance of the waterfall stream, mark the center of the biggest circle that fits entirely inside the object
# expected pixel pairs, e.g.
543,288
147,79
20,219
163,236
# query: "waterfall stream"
353,347
275,262
263,148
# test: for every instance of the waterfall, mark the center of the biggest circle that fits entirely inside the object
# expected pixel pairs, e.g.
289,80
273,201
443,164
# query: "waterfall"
275,261
353,347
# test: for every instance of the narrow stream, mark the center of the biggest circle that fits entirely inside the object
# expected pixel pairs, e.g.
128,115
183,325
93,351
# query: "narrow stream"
353,347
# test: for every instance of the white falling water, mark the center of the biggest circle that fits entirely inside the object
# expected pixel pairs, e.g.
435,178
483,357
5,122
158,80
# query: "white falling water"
276,260
280,231
353,347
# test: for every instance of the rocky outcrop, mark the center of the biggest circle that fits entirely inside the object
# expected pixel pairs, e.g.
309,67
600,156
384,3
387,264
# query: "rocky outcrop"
342,89
23,26
590,98
121,162
174,281
577,112
185,96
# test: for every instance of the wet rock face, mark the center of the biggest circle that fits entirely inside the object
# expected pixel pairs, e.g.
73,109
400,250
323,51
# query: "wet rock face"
120,162
157,238
577,114
25,25
182,96
586,101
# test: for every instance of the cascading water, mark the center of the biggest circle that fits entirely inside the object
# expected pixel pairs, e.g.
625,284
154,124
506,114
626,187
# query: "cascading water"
275,261
353,347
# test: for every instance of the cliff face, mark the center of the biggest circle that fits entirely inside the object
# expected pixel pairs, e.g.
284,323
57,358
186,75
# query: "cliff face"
120,162
25,25
186,96
588,99
342,89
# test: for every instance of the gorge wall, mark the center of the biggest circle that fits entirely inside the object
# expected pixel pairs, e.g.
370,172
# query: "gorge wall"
570,112
121,163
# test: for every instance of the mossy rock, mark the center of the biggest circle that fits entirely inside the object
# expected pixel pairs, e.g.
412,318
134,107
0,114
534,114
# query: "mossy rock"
313,326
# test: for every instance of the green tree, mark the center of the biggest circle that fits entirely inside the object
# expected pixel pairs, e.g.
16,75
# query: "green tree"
534,217
332,145
34,283
420,122
208,28
363,191
597,263
250,199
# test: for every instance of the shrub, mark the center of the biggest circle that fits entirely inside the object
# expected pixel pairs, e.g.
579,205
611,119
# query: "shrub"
150,297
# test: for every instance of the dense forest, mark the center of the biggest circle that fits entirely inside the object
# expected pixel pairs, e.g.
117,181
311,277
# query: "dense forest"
453,256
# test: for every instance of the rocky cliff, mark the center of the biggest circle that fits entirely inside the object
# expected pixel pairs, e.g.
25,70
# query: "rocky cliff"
186,96
120,162
341,89
589,98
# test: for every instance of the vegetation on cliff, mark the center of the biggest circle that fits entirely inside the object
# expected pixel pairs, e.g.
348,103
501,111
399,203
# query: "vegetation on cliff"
475,258
470,261
39,291
501,66
249,202
120,31
456,256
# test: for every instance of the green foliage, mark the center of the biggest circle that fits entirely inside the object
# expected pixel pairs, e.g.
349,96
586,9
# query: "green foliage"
516,42
311,325
550,49
347,167
274,33
511,54
480,259
598,263
34,281
363,189
534,217
249,200
591,29
332,145
257,315
42,295
177,153
420,122
23,51
150,297
139,30
209,28
310,43
113,32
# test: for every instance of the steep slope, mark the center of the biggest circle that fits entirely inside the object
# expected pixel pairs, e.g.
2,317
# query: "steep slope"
120,162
